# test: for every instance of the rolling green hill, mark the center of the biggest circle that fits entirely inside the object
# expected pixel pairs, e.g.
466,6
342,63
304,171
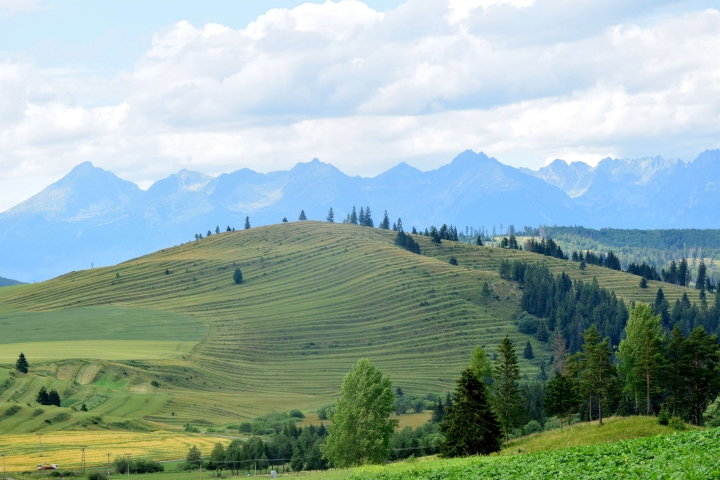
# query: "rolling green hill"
316,297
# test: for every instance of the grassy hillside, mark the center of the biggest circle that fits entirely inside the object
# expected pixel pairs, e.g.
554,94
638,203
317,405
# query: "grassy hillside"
316,298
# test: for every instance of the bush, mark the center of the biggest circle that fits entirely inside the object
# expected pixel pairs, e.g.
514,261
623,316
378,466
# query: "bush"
296,414
533,426
245,427
677,423
711,417
322,413
663,416
97,476
528,325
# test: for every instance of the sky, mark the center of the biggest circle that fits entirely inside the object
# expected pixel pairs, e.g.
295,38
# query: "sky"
146,88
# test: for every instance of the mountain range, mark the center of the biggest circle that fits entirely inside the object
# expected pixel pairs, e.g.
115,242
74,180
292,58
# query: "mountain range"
92,217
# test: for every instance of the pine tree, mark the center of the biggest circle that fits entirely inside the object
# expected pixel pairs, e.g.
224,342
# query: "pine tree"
642,351
217,229
438,412
353,216
43,397
678,360
597,369
237,276
194,457
247,223
361,217
368,218
303,216
561,398
682,273
330,216
559,352
470,408
701,276
297,462
399,225
228,229
528,352
542,332
385,224
284,219
508,399
479,241
21,365
53,398
704,356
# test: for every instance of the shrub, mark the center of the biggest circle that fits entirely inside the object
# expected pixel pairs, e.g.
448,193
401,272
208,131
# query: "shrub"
245,427
453,260
296,414
322,413
96,476
711,417
533,426
676,423
663,416
155,383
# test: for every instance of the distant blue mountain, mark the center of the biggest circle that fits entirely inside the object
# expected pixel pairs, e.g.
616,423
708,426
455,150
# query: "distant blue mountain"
92,216
6,282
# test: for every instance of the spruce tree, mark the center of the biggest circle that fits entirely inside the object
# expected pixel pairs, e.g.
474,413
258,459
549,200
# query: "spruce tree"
284,219
701,276
508,398
21,365
247,223
399,225
43,397
528,352
470,426
682,275
438,412
237,276
361,217
53,398
228,229
302,215
330,216
385,224
479,241
678,365
217,229
702,374
368,218
642,351
353,216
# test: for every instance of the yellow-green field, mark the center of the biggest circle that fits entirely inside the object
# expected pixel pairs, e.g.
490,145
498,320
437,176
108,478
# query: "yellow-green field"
159,350
63,448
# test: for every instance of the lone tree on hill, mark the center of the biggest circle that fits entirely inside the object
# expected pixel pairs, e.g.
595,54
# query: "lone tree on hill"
360,428
194,457
228,229
21,365
330,216
284,219
453,260
508,398
470,426
217,228
302,215
237,276
479,241
247,223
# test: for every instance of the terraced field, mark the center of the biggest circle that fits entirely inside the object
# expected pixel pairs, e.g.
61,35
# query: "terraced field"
316,297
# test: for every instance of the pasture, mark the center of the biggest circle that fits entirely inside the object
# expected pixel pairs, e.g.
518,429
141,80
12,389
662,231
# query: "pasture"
316,297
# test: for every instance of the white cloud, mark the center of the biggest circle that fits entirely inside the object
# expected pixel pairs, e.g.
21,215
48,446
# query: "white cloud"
12,7
365,90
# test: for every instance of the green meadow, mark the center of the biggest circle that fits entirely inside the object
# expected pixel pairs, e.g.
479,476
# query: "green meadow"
169,339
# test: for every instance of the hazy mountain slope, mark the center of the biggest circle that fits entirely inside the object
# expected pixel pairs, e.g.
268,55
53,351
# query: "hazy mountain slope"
6,282
92,216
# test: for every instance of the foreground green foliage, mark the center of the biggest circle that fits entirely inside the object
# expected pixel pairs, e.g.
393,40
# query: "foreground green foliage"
690,455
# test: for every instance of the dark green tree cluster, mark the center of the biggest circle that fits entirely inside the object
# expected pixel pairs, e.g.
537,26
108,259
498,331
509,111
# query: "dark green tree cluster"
124,465
643,270
677,273
385,224
237,276
509,243
546,246
407,242
423,440
364,218
567,306
610,260
294,446
444,233
51,398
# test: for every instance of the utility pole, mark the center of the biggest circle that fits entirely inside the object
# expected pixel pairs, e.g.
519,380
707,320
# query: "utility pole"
40,443
128,463
83,459
4,471
108,464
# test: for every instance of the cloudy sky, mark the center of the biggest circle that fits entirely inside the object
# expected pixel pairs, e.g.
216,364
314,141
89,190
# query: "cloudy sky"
145,88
